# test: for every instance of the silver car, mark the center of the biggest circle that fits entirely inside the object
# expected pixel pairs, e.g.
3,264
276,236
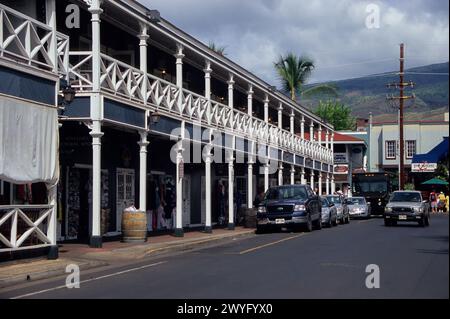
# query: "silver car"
358,207
329,212
341,207
407,206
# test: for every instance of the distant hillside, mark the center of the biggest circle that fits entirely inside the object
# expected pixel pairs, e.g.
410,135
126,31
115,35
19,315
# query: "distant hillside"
368,94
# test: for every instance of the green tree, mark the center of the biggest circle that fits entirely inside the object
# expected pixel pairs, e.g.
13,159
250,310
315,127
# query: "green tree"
218,49
294,71
337,114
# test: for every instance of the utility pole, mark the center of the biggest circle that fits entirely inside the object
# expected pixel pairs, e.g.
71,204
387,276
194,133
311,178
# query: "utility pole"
401,98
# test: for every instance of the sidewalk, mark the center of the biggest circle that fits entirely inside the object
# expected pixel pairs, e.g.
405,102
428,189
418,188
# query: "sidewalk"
20,271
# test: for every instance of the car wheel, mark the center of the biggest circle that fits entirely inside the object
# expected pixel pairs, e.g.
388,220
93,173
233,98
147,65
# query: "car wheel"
309,225
422,223
335,222
330,222
427,221
260,229
347,221
319,224
387,223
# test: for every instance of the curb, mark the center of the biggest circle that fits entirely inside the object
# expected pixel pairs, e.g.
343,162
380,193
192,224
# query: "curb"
34,276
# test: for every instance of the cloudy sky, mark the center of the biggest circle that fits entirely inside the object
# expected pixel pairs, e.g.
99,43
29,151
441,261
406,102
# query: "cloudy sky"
332,32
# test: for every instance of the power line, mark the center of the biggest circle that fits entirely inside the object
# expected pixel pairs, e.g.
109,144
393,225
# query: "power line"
427,73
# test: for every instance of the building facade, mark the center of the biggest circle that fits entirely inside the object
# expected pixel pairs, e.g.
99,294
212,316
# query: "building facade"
159,120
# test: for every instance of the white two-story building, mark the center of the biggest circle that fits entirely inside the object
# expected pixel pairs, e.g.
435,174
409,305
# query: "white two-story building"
158,118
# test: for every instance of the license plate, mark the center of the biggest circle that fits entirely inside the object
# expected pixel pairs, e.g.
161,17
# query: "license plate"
280,221
402,217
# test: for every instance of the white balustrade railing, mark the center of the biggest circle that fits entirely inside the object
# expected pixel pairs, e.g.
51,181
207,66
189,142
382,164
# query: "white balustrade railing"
28,41
125,81
25,226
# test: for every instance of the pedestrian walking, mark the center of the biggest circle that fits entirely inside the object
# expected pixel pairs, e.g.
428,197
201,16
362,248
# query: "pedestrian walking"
433,201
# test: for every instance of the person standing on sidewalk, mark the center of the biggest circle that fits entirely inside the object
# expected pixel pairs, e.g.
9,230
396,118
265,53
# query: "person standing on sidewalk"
433,201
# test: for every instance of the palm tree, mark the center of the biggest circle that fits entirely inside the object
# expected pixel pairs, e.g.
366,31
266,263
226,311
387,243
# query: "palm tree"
294,71
218,49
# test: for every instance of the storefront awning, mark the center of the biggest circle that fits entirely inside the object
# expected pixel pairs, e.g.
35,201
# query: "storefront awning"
433,156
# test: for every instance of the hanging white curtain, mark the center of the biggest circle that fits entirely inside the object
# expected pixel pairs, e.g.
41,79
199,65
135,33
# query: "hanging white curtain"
28,142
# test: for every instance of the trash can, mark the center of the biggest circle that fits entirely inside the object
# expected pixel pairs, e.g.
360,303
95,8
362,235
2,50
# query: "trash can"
134,226
250,218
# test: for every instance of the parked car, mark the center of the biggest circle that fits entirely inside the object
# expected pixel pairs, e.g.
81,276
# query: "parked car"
289,206
341,208
358,207
329,212
407,206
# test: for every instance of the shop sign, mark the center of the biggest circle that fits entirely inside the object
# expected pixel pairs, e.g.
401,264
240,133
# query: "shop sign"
340,158
423,167
340,169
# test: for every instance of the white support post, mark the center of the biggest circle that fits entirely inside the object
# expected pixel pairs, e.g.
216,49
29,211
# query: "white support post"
208,72
143,38
53,222
302,176
231,192
333,185
292,122
231,98
208,159
320,184
266,176
311,132
312,179
250,100
280,115
250,184
266,108
280,174
327,139
143,143
292,175
179,65
179,193
327,184
302,127
96,132
50,9
319,136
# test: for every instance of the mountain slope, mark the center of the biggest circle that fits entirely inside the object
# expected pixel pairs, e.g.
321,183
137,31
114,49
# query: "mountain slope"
368,94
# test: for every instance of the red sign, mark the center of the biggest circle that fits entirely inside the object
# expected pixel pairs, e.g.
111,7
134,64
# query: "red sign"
340,169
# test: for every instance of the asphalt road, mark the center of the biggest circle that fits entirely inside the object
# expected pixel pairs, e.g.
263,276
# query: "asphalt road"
330,263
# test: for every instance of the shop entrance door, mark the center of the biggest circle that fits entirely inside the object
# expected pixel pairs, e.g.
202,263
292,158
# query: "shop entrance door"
125,193
186,200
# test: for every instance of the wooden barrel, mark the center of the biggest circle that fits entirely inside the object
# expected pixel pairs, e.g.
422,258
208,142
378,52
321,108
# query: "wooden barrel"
134,226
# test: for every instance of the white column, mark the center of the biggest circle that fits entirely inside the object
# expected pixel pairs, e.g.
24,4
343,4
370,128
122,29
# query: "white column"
179,194
266,108
292,122
143,37
266,176
319,135
250,184
231,193
302,176
320,184
208,159
280,174
208,72
250,100
327,184
50,8
311,132
231,96
327,139
96,133
179,65
280,115
143,143
333,185
312,179
292,175
302,127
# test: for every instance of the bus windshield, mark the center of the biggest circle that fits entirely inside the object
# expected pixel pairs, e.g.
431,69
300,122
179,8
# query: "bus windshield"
370,186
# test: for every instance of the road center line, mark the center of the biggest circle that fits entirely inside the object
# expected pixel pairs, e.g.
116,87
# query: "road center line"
91,279
269,244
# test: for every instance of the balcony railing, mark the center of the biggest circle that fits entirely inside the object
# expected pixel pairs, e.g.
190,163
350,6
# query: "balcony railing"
124,81
28,41
25,227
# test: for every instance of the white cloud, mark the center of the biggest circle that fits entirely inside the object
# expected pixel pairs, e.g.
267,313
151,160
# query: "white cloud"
256,32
